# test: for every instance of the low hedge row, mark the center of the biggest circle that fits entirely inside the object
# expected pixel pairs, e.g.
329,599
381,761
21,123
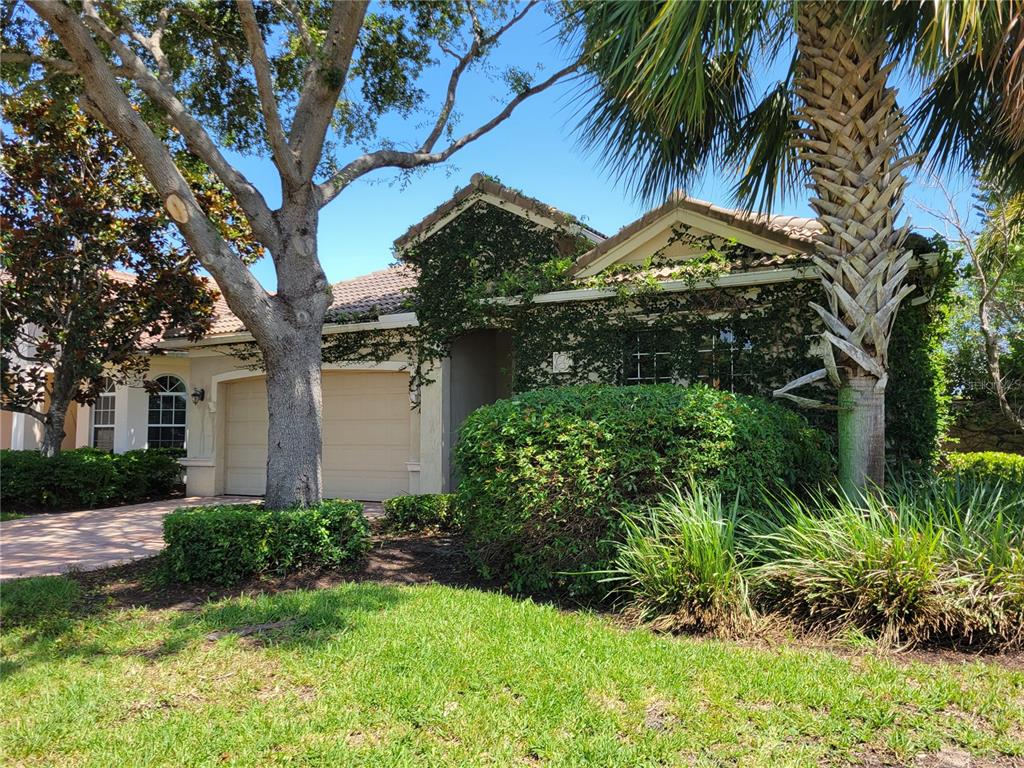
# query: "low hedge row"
229,542
545,475
85,477
987,466
420,512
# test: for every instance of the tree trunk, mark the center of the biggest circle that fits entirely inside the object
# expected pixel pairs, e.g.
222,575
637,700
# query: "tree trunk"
851,130
295,404
61,395
293,356
861,434
53,429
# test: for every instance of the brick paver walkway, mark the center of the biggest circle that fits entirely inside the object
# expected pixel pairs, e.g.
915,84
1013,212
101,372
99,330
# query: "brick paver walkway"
41,545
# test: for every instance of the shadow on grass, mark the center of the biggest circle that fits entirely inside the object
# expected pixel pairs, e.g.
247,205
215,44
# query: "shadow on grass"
296,618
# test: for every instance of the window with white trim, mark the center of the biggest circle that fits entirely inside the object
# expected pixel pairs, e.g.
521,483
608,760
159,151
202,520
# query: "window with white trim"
103,418
167,414
645,363
721,362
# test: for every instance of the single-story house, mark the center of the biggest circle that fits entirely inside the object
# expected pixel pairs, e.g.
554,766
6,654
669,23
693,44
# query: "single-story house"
212,403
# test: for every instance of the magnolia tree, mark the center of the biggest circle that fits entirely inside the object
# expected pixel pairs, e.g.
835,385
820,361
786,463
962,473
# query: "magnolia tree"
75,213
305,82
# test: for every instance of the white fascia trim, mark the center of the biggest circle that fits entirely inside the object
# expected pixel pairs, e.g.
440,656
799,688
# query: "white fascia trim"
707,224
396,320
737,280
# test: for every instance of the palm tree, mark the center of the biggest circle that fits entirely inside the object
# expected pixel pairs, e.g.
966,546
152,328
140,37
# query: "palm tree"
675,88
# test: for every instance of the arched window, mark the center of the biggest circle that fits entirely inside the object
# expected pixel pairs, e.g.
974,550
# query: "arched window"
167,414
103,418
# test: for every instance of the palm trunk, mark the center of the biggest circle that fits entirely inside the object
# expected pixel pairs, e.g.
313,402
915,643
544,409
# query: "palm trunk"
851,131
861,435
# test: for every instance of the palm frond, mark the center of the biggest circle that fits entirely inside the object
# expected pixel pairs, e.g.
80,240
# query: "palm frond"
771,168
672,84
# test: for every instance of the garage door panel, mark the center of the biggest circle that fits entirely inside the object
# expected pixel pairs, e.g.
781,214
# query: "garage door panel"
247,432
365,435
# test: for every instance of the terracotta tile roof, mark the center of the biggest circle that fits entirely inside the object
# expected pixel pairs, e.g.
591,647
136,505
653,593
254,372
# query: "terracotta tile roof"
481,184
378,293
788,231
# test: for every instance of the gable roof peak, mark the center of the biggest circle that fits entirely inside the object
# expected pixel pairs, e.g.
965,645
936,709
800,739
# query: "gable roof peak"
484,186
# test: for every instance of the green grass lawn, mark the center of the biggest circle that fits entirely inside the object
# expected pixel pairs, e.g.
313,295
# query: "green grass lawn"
372,675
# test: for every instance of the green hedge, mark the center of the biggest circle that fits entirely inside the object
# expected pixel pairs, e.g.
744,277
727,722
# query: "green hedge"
545,475
417,512
229,542
85,477
987,466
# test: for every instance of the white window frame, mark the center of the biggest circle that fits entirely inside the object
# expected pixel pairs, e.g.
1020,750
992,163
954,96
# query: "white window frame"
166,394
105,406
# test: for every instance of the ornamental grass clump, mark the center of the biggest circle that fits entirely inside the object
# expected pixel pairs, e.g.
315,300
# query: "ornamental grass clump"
935,562
677,566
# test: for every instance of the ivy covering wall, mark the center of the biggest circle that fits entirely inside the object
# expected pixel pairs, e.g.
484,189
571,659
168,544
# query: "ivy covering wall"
752,340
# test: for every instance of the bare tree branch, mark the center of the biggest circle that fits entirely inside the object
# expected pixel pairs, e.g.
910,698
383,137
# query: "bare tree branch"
198,140
988,277
283,156
244,294
389,158
27,410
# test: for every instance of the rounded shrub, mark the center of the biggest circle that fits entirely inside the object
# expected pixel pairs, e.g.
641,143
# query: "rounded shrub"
417,512
987,466
545,476
225,543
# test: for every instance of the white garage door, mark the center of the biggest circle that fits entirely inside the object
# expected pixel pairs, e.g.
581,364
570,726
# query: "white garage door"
365,432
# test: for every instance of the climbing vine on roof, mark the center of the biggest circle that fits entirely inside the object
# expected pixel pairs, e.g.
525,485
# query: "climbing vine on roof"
484,268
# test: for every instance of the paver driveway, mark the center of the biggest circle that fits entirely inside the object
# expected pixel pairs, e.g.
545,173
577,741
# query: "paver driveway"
55,543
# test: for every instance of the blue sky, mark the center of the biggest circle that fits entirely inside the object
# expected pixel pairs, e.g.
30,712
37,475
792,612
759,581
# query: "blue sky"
535,150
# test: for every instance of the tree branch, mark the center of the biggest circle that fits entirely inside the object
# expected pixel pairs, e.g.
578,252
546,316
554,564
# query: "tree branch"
244,294
283,156
479,43
323,85
388,158
198,140
27,410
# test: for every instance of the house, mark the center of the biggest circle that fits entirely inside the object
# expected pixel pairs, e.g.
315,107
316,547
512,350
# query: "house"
212,403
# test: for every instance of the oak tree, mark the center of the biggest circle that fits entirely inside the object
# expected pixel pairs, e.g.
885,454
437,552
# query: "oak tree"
307,83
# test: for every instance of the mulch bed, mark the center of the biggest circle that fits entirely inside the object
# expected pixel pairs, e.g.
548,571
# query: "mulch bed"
415,558
434,558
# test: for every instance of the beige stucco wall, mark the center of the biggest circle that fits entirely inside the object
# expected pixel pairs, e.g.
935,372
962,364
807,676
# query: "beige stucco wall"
213,371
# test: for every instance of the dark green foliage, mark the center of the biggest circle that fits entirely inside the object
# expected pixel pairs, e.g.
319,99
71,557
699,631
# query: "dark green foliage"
425,510
916,397
987,466
37,599
229,542
546,474
85,477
